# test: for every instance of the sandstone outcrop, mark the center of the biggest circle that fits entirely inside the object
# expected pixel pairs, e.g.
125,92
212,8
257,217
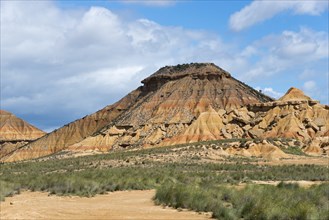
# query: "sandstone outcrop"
317,147
73,132
13,128
166,105
190,103
294,116
15,132
264,149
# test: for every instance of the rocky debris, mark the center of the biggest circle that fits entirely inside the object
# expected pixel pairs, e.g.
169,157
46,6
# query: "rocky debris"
317,147
251,149
298,119
15,132
206,127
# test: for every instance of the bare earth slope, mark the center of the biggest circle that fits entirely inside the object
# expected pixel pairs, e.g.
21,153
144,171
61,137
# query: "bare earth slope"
72,132
168,102
15,132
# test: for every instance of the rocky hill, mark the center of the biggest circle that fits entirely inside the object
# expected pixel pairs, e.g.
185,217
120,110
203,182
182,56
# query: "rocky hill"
185,104
15,132
170,101
295,116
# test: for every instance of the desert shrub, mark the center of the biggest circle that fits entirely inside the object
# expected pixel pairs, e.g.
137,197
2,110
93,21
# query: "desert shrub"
288,185
293,150
184,184
251,202
8,189
75,176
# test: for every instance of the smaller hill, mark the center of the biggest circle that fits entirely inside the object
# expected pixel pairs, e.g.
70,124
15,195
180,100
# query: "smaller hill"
15,132
13,128
294,94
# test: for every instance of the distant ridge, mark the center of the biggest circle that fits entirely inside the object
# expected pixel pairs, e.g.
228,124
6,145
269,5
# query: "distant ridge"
13,128
15,132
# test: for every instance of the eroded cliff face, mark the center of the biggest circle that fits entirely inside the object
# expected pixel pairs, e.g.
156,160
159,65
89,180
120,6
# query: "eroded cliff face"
175,98
168,103
15,132
295,115
185,104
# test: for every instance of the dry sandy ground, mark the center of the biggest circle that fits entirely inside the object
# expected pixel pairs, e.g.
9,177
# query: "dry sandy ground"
299,160
301,183
117,205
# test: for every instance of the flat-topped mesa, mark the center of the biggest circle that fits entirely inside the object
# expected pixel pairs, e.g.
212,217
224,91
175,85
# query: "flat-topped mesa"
193,70
168,103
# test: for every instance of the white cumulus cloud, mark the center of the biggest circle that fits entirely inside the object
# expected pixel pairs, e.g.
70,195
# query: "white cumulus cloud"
62,64
309,85
270,92
288,50
156,3
261,10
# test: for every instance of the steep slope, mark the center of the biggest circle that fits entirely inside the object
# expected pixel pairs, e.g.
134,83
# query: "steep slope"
72,132
206,127
15,132
169,101
176,96
13,128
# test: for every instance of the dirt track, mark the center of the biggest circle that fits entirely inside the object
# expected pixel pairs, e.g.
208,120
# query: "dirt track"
116,205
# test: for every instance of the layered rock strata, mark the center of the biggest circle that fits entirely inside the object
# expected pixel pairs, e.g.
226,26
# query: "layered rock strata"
166,105
15,132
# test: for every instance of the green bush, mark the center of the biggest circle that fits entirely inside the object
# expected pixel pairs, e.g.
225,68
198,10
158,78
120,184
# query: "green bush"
285,201
8,189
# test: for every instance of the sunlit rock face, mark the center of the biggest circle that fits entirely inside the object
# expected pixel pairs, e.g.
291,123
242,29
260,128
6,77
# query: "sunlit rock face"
15,132
183,104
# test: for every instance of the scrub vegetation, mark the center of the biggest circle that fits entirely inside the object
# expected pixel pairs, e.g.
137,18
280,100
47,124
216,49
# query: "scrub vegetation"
193,184
285,201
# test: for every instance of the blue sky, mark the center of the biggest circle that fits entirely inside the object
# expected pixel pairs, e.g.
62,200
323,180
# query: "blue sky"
62,60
